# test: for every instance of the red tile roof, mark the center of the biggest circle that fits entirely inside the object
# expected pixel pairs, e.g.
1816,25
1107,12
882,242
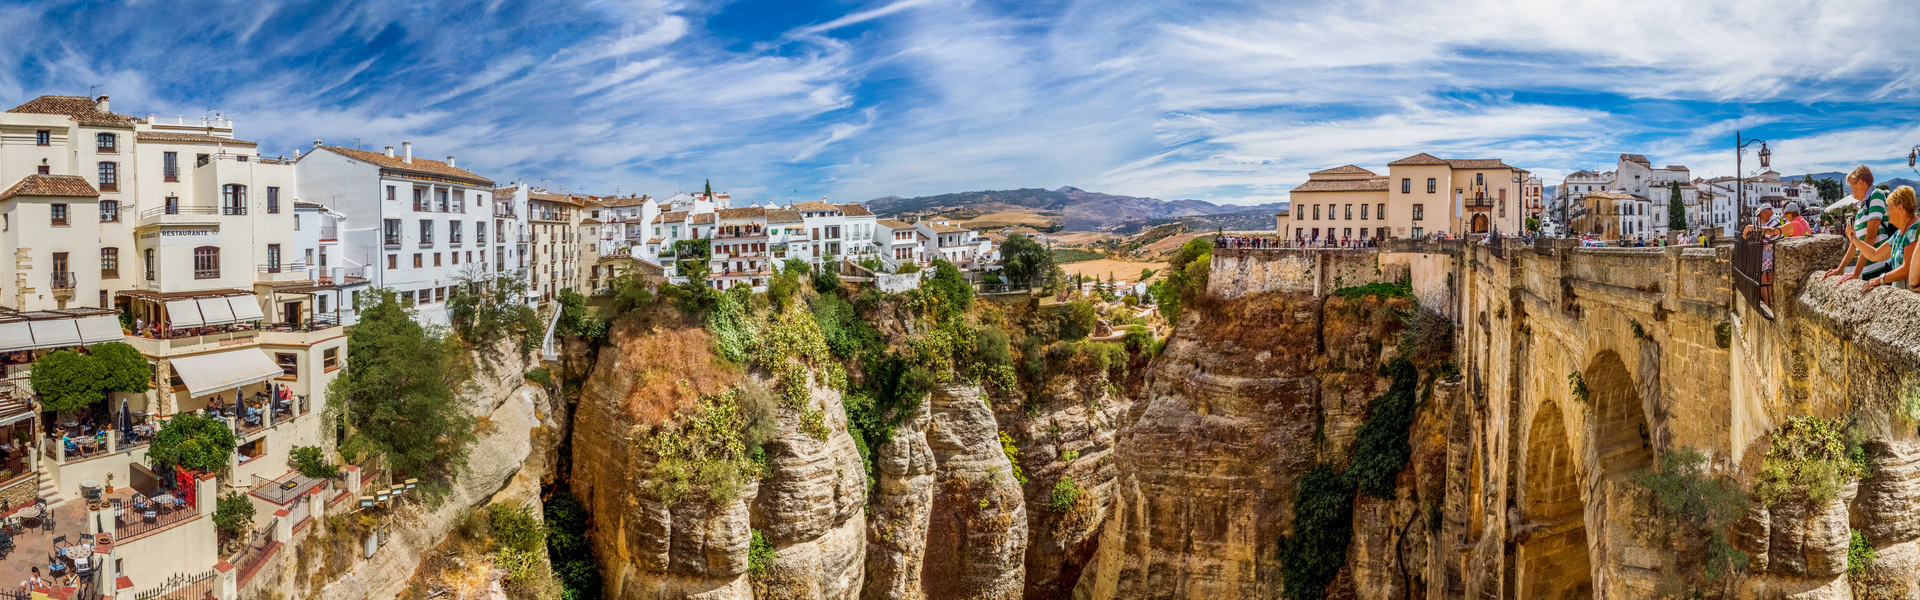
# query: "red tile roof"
1418,160
754,212
855,210
420,165
1371,184
71,186
80,108
170,136
1346,170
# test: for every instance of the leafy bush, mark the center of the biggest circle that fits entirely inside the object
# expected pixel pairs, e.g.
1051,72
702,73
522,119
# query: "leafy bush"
1380,446
192,441
1811,456
950,290
1024,260
704,448
311,461
760,555
1013,457
846,333
1860,554
1187,274
233,514
1384,289
1078,320
1068,255
1063,496
1577,384
569,548
732,327
67,381
1426,338
1322,528
1685,490
541,376
522,541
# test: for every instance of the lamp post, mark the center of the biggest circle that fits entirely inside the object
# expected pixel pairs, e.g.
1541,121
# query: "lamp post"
1739,176
1913,156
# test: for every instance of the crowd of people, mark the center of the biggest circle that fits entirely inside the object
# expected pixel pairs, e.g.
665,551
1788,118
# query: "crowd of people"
1880,239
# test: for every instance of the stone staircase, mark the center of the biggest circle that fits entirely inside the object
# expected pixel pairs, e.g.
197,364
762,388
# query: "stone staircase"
48,489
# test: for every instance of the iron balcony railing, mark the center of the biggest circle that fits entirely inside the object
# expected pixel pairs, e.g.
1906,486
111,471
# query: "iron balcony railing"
64,280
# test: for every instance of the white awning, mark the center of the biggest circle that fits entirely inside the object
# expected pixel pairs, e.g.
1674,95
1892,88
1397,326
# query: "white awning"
209,374
55,333
216,310
100,328
246,309
184,313
15,335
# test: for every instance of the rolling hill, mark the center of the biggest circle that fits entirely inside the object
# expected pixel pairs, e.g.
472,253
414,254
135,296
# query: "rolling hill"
1073,208
1842,177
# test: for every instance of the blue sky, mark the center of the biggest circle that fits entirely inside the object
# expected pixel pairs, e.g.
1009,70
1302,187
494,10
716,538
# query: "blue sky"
1214,100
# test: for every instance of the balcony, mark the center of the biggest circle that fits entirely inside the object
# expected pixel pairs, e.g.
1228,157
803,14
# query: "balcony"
751,233
392,241
63,283
168,215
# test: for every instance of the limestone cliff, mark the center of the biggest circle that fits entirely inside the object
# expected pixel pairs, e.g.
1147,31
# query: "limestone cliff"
977,529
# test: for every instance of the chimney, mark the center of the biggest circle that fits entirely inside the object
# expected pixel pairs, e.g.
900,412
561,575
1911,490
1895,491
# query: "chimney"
406,147
316,144
296,154
101,103
389,151
449,160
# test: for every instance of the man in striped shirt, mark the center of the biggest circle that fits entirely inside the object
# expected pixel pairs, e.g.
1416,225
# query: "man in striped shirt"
1870,224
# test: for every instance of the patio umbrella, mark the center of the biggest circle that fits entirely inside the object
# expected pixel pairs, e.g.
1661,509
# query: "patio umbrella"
126,418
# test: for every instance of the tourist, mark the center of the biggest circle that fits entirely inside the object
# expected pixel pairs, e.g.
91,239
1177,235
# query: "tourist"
1795,226
33,581
1897,247
1869,224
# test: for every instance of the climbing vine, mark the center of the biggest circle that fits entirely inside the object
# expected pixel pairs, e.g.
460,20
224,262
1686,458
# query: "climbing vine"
1578,385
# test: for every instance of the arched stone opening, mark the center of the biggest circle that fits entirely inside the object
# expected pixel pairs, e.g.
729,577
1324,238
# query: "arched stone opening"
1622,442
1553,537
1480,223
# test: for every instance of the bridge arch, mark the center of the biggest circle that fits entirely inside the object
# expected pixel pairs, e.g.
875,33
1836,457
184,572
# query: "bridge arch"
1553,549
1622,439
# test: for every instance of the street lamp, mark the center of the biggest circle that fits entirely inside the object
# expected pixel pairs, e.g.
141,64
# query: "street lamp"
1740,182
1913,156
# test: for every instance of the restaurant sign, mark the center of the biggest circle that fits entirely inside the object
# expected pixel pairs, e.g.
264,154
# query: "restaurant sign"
195,236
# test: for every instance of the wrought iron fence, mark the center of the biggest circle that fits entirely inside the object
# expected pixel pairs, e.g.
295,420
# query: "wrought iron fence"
183,586
1753,271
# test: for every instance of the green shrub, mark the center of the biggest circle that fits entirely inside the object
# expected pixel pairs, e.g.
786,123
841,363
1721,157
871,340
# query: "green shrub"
233,514
1187,274
66,380
845,332
1811,456
704,448
1380,446
311,461
1684,489
194,441
733,329
541,376
1860,554
1069,255
1577,384
1385,289
760,555
1013,457
1063,496
569,548
1322,528
399,398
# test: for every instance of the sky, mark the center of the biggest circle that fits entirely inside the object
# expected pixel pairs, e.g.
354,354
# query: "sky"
784,100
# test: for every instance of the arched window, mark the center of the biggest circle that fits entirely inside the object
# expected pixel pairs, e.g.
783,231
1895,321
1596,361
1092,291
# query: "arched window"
233,199
206,262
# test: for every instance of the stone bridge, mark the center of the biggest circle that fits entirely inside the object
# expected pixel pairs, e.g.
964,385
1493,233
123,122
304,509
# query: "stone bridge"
1582,366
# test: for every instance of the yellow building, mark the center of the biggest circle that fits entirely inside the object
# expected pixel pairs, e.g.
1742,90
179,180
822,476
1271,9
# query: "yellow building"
1421,195
1341,202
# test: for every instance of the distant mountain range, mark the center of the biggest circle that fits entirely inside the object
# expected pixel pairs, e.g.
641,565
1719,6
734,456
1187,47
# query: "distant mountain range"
1842,177
1074,208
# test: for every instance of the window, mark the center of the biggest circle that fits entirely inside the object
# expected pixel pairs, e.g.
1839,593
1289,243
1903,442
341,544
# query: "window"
173,205
109,263
106,143
273,200
454,232
109,177
417,257
426,232
1363,212
1418,232
390,192
289,364
59,214
393,261
456,257
1419,212
62,278
109,211
273,258
43,138
1316,212
252,451
233,199
206,262
1406,185
436,259
406,298
390,229
1380,212
440,294
419,199
1430,186
170,165
480,231
150,264
1349,216
443,200
330,358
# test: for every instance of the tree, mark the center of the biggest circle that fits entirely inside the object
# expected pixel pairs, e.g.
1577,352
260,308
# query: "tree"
233,515
709,189
1186,277
399,398
66,380
1830,191
1676,209
950,286
311,461
193,441
1078,321
1025,260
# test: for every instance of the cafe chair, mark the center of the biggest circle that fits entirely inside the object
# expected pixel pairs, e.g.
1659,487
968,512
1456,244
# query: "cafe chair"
60,542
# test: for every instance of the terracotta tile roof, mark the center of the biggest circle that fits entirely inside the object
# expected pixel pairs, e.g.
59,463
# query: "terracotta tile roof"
1635,158
655,240
1675,167
678,216
743,213
625,202
69,186
80,108
1371,184
1418,160
938,228
813,205
702,219
505,193
895,224
855,210
781,215
1346,170
1477,163
171,136
546,196
589,221
421,165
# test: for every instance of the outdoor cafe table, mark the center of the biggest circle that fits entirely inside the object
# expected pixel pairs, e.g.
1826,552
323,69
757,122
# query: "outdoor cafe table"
78,553
29,512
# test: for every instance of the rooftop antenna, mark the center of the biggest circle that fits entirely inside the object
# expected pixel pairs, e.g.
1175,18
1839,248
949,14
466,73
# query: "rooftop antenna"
356,143
91,88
